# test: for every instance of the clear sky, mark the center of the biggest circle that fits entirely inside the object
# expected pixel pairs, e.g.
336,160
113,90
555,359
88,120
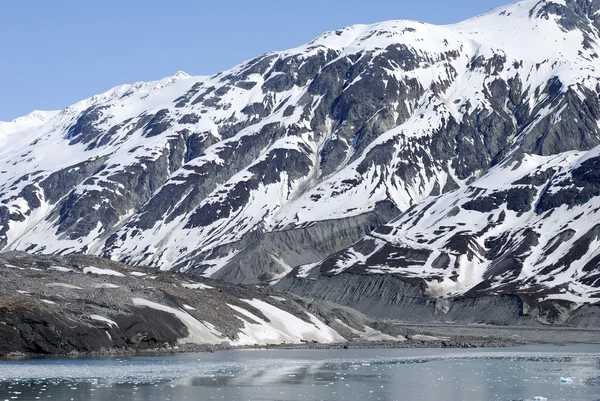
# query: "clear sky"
56,52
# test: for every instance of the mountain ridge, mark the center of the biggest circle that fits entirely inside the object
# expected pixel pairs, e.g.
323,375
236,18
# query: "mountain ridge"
289,160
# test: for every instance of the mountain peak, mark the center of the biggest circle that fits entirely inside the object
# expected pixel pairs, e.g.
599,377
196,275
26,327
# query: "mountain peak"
32,120
181,75
36,115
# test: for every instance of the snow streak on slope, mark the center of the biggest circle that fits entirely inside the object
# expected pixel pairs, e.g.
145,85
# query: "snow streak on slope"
297,154
526,227
280,327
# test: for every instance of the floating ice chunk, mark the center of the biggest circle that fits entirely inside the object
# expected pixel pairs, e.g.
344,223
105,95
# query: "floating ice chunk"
187,307
539,398
102,272
47,301
565,380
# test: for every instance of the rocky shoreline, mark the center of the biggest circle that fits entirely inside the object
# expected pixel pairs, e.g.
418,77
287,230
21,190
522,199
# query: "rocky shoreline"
554,336
196,348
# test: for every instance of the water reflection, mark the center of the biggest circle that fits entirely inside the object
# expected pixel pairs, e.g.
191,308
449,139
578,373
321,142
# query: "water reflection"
385,375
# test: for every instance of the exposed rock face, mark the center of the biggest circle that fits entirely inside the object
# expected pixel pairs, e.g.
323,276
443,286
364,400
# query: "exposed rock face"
293,157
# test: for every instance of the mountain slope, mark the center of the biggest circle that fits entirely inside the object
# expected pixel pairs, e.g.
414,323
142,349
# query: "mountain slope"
529,227
295,155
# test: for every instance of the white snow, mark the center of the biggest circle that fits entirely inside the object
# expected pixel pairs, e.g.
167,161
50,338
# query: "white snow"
61,269
199,332
104,320
107,286
305,270
102,272
31,121
196,286
282,327
421,337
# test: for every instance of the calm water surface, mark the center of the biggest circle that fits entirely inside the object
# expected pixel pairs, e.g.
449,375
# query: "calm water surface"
521,373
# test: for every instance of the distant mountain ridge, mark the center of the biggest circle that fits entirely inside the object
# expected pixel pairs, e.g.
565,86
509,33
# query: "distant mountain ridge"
470,149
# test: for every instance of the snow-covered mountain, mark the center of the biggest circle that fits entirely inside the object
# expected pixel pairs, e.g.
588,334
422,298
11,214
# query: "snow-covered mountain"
485,131
529,227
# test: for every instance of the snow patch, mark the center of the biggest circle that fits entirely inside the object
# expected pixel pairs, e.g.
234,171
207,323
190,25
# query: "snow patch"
104,320
102,272
106,286
61,269
198,332
282,327
421,337
196,286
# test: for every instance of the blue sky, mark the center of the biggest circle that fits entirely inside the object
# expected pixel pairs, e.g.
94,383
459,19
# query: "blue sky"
55,53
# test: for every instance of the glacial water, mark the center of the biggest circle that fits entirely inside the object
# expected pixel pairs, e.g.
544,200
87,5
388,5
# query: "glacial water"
522,373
